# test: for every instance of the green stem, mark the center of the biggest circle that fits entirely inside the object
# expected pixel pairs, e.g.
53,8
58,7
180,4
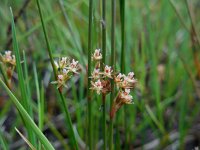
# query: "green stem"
122,13
113,65
46,39
68,119
104,121
90,127
103,62
123,69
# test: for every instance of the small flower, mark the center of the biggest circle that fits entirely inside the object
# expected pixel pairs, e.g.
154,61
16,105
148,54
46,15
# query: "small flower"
97,86
8,58
60,77
125,82
97,55
126,97
122,98
130,78
95,74
62,63
65,71
119,79
73,67
131,75
107,72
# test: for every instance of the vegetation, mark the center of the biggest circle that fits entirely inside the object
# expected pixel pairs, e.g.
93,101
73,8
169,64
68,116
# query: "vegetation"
67,81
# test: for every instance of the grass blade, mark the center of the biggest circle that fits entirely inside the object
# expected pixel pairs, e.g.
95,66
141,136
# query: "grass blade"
25,101
27,118
3,143
25,139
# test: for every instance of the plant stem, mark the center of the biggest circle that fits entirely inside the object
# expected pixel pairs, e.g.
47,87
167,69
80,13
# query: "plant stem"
113,65
104,121
103,62
122,16
90,127
68,119
123,69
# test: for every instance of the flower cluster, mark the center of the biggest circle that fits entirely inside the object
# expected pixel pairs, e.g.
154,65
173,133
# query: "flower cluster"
65,70
124,83
97,56
100,79
8,64
8,58
101,83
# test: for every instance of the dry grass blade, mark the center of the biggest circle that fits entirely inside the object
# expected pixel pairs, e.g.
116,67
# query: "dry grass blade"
25,139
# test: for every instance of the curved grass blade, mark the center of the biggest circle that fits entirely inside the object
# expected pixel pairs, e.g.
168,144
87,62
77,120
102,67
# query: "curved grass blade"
25,100
27,118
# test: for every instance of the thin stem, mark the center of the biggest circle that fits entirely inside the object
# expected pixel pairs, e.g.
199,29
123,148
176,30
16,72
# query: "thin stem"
55,74
90,127
123,69
104,121
69,120
46,39
113,65
103,62
122,16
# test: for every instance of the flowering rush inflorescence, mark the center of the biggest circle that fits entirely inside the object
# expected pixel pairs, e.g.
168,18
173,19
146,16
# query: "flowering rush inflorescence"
65,70
101,83
8,58
8,63
100,79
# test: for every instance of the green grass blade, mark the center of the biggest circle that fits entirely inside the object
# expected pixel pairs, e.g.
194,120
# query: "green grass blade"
27,118
3,143
155,120
25,101
27,83
40,100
